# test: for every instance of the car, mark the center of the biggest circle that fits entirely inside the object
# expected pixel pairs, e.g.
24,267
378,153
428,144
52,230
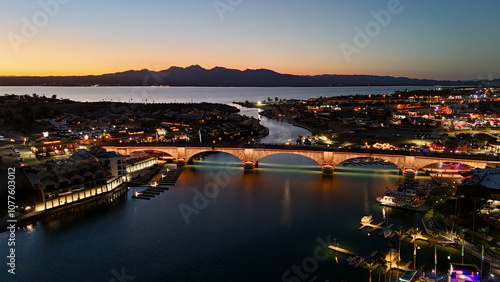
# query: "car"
21,159
10,154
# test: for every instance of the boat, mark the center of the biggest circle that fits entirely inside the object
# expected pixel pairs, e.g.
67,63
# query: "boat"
406,199
355,261
387,233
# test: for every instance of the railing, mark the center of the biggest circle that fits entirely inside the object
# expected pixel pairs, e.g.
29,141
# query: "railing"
312,148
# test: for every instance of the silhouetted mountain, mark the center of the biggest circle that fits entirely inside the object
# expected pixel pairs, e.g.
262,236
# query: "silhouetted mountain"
219,76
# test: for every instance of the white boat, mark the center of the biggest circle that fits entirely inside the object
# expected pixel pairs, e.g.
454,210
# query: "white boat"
401,199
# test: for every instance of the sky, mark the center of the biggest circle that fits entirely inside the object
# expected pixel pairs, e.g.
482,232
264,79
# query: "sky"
446,39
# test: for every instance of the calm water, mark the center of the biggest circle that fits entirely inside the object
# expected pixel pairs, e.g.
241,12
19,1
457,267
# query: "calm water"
255,227
197,94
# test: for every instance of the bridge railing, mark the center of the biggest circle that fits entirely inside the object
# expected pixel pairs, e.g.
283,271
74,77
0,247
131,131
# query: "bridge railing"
313,148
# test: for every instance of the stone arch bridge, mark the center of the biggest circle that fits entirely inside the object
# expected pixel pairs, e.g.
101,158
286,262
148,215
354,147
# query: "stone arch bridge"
327,158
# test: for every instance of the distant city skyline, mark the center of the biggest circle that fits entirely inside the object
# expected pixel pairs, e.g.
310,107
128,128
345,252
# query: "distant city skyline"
444,40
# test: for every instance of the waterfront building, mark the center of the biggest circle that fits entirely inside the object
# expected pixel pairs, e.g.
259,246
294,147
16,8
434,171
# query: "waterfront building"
142,162
113,162
65,177
488,177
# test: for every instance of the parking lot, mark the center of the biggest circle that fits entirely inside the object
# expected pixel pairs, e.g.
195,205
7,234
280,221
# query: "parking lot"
10,159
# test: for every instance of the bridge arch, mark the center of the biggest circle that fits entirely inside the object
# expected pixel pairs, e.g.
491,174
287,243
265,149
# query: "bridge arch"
398,161
190,158
423,162
286,153
374,160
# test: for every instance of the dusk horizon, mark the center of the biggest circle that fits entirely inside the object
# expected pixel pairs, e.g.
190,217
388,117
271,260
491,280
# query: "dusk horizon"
490,78
443,41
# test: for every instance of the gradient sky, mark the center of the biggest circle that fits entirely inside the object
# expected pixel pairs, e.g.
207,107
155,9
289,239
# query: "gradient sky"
446,39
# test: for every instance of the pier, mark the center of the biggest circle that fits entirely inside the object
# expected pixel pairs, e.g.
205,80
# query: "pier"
156,188
394,265
417,236
354,259
368,223
357,260
373,226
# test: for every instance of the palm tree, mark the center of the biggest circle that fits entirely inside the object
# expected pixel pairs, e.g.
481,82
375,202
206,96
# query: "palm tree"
371,266
401,234
435,240
383,262
389,244
479,194
414,231
483,230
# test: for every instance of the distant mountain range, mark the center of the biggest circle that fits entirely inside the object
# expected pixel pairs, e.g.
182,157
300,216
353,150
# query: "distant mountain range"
219,76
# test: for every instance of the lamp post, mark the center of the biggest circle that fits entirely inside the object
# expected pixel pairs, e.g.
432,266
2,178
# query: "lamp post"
462,235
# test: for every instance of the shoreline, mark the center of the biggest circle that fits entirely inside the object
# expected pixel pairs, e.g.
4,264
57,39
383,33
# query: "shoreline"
120,190
30,218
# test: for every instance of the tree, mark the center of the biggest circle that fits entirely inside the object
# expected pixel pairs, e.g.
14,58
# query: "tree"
390,244
482,230
371,266
478,194
451,144
435,240
414,231
401,234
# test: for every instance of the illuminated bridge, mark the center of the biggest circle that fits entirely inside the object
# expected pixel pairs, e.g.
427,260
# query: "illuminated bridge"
327,158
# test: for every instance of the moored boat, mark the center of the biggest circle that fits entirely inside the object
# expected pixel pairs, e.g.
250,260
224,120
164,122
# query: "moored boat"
402,199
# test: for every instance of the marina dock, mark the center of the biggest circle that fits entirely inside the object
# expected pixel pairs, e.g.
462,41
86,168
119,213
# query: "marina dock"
368,223
418,236
355,259
394,265
169,178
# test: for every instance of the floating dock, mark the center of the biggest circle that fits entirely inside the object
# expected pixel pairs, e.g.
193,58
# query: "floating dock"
355,259
169,178
395,265
369,224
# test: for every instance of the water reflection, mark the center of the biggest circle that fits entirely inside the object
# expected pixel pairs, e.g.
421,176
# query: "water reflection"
273,214
286,217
